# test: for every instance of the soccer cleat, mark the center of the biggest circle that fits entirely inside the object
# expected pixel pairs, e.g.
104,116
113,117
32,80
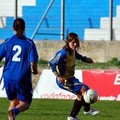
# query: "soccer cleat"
92,112
71,118
11,115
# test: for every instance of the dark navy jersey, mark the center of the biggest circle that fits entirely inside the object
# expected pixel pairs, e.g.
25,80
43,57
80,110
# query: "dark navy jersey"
64,63
18,54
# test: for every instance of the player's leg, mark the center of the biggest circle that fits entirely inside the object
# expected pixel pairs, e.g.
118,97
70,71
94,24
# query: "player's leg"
11,113
77,105
24,102
25,99
15,110
24,95
13,103
22,106
88,110
11,95
79,90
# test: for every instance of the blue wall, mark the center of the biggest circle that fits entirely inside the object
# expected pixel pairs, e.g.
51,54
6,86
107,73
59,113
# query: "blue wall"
79,14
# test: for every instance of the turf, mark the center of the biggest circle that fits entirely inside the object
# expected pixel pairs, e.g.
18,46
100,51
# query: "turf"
49,109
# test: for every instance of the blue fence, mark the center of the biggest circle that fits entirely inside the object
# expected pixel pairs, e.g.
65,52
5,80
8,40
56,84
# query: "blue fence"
79,14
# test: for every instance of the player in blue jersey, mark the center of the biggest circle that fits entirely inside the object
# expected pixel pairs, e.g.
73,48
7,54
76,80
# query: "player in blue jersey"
63,66
21,58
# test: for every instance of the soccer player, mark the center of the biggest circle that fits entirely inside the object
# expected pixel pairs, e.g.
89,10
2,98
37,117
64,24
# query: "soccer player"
21,58
63,66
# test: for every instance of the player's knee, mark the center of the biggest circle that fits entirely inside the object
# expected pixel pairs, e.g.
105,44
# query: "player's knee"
79,97
27,105
24,106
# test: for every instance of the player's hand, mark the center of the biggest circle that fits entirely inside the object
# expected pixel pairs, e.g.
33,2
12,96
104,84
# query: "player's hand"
34,69
89,60
61,79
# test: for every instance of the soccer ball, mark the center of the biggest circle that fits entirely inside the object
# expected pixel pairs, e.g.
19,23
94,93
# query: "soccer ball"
90,96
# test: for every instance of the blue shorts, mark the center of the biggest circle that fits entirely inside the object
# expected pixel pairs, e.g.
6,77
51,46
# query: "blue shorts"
72,85
14,90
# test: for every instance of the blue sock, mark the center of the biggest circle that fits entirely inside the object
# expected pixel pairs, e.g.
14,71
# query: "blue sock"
16,111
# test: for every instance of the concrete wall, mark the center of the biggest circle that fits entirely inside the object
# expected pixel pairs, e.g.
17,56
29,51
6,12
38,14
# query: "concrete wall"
99,51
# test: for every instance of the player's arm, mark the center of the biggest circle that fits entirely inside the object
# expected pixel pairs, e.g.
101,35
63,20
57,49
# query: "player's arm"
59,56
54,63
2,51
33,59
83,58
34,68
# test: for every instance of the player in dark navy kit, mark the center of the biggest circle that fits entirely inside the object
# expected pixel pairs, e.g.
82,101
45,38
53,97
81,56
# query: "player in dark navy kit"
63,66
21,58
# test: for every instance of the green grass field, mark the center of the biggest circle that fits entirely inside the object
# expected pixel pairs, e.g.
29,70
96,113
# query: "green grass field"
49,109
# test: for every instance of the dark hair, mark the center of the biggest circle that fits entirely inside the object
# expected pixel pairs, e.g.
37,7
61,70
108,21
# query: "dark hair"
19,26
72,36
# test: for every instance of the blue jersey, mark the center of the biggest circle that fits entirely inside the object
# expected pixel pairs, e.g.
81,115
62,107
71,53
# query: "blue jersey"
64,63
18,54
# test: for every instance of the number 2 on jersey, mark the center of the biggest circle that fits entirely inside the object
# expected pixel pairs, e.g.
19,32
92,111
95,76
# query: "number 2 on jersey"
18,50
